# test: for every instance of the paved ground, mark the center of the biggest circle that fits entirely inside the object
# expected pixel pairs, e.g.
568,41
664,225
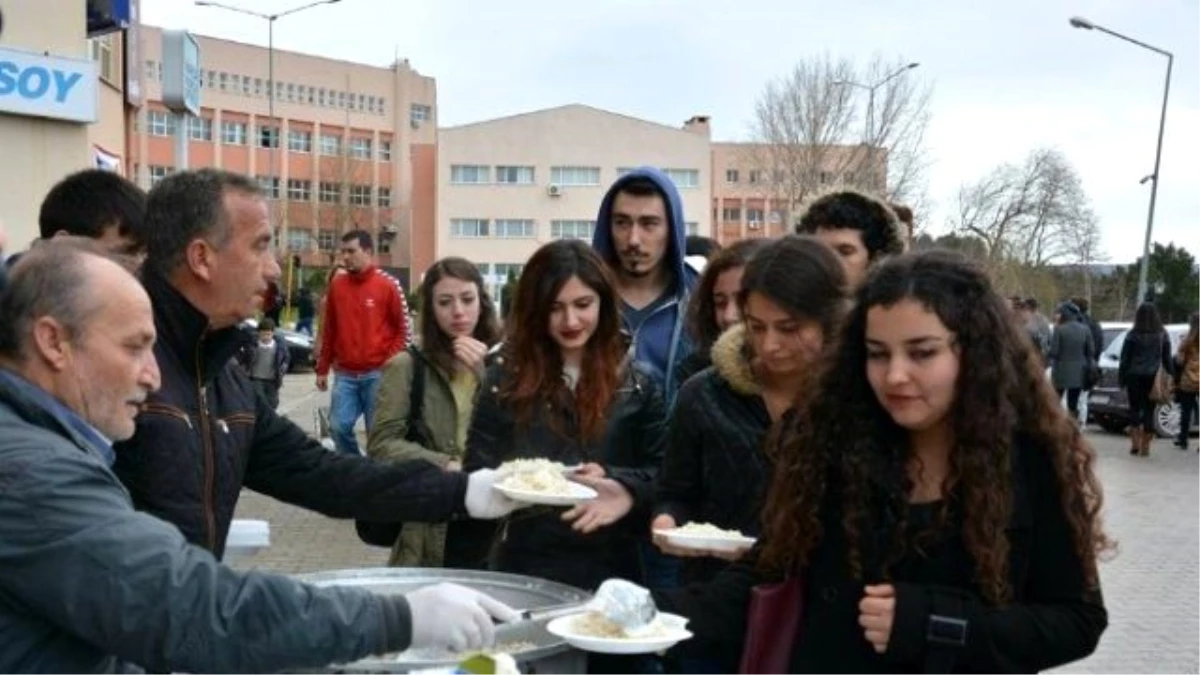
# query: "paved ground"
1151,586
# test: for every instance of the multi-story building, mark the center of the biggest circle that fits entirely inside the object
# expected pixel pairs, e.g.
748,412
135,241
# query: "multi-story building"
350,146
508,185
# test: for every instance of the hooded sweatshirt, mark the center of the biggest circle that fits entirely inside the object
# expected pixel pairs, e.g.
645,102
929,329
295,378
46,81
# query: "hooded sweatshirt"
660,342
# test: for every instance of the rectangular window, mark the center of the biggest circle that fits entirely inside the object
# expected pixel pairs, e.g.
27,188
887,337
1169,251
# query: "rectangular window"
514,175
470,174
210,79
269,186
321,98
246,85
754,215
572,229
200,129
326,240
233,133
258,86
310,95
160,123
331,145
515,229
778,216
385,151
684,178
825,177
756,176
299,141
157,173
385,197
299,190
468,227
330,193
731,214
360,195
692,227
360,148
419,112
298,240
575,175
102,53
504,269
290,96
731,175
222,81
268,136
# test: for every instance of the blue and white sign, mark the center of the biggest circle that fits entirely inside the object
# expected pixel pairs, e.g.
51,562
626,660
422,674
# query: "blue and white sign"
48,86
181,72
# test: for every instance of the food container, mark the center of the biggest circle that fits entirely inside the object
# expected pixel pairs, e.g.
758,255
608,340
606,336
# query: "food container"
550,654
246,537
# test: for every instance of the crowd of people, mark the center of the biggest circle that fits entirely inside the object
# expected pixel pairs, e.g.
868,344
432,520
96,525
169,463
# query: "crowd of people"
876,418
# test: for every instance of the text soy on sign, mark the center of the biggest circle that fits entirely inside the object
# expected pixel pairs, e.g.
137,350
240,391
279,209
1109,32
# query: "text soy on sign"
48,86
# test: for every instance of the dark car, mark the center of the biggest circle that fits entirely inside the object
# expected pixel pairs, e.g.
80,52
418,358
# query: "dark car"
1108,404
300,345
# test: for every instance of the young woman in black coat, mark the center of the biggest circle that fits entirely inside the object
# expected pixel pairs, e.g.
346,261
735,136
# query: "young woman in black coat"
941,509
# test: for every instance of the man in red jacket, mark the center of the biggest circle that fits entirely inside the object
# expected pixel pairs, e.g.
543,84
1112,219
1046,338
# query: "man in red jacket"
366,323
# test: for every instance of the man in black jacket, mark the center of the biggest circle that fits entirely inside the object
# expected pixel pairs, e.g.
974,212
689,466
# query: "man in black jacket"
205,435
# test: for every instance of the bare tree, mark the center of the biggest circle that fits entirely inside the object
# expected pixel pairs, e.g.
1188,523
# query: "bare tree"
811,130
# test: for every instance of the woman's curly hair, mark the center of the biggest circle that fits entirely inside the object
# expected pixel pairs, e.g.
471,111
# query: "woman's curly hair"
843,441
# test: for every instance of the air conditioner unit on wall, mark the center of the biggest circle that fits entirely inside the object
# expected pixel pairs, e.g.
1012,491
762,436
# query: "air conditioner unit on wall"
554,190
755,224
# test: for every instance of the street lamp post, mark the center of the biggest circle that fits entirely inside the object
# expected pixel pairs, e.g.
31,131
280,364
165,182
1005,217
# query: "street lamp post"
1144,272
871,88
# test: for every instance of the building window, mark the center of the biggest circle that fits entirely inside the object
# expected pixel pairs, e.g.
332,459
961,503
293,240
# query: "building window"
754,215
684,178
504,269
331,145
360,195
385,151
310,95
160,123
575,175
298,240
247,87
692,227
157,173
268,136
299,190
321,97
200,129
515,229
299,141
756,176
468,227
825,177
470,174
326,240
330,193
341,100
101,49
572,229
210,79
849,178
514,175
360,148
731,175
258,86
731,214
233,133
778,176
419,112
222,81
269,186
778,216
385,197
290,96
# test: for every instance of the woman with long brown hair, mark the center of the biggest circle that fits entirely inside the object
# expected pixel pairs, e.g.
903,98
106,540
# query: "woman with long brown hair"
457,327
564,390
941,509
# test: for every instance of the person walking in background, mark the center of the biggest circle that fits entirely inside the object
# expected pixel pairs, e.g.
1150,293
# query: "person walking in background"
1187,378
366,323
1097,346
306,310
1071,354
1147,348
266,362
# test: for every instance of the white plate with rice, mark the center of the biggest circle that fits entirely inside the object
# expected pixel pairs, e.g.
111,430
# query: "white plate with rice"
591,632
539,481
706,537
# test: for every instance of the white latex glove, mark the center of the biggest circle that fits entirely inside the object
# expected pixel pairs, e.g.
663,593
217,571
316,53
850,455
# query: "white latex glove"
453,617
482,501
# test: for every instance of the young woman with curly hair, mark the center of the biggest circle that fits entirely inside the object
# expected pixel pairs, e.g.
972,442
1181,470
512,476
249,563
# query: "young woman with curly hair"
941,508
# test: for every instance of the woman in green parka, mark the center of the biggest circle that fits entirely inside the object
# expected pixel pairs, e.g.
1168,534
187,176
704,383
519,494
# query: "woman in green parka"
457,329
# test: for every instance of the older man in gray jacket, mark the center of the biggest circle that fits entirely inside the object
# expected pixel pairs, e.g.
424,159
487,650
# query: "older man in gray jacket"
88,584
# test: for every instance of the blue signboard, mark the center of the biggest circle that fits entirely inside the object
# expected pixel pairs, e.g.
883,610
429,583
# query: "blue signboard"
47,86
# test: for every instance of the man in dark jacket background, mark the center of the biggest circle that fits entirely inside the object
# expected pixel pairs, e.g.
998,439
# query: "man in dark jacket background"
205,435
91,585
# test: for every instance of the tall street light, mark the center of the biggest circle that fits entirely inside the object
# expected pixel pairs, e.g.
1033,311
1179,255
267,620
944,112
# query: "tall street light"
871,88
270,19
1144,272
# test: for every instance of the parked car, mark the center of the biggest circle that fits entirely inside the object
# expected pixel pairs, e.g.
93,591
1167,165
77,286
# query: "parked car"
1111,330
1108,404
300,345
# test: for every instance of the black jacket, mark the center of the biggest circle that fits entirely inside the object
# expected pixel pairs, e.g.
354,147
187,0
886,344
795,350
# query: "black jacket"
1142,354
715,470
1097,335
204,435
1053,618
535,541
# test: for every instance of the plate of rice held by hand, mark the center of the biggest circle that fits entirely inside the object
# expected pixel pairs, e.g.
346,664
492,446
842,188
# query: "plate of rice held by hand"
541,481
706,537
592,632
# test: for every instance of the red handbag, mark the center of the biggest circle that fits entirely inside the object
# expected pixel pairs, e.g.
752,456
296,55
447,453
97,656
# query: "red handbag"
772,625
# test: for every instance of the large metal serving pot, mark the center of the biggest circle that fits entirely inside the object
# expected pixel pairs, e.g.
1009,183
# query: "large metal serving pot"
551,654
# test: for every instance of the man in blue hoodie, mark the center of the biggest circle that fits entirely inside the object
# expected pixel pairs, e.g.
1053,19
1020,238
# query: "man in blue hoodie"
641,233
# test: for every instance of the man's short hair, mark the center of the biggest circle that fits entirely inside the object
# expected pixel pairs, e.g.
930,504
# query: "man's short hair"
1031,303
267,324
190,205
362,236
50,280
640,186
88,202
852,210
700,245
1082,304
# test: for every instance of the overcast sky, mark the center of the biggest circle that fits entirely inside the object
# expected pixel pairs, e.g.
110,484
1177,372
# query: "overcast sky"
1008,75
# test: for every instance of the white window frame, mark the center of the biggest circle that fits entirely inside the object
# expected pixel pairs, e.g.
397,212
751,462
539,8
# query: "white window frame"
470,174
299,140
572,229
160,123
578,176
519,175
383,197
269,186
385,150
200,129
469,228
299,190
327,140
684,179
514,228
235,131
329,192
360,195
359,147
